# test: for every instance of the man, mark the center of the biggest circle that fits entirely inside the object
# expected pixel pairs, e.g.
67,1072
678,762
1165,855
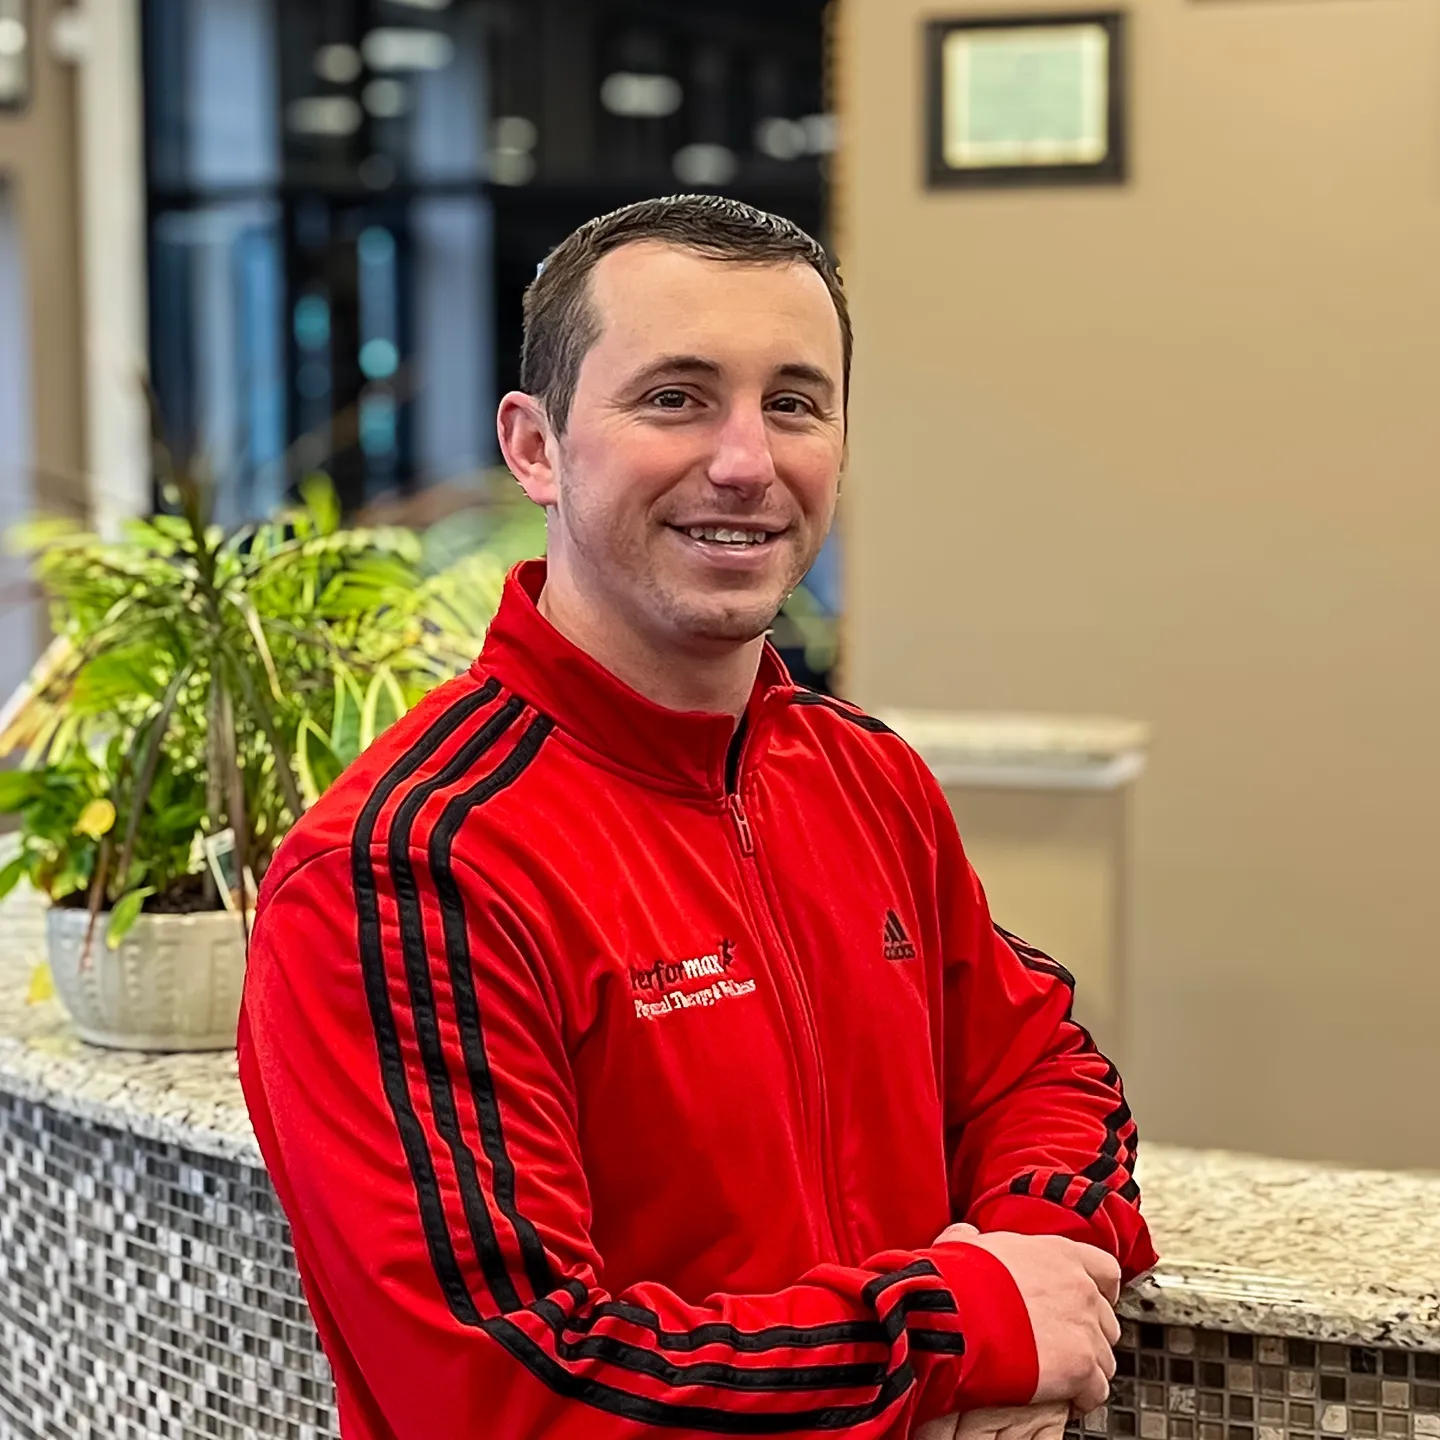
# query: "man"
623,1027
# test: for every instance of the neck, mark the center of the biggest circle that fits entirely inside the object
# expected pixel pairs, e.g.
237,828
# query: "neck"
716,681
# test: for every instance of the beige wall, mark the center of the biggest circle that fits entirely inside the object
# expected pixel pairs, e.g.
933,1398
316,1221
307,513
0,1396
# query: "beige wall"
37,163
1172,451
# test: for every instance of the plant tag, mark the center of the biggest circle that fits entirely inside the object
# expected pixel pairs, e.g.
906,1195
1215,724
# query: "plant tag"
220,856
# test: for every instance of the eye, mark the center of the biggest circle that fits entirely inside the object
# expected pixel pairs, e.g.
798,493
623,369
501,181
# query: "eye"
792,405
669,399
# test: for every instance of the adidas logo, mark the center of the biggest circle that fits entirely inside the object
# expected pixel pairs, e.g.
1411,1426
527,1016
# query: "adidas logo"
897,942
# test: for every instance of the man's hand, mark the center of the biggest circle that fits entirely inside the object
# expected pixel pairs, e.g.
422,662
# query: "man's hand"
1069,1290
1023,1422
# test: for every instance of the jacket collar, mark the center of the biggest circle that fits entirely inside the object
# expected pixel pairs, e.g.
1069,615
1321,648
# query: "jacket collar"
675,748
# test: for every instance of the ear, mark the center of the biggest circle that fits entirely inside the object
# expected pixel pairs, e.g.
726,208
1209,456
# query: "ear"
528,446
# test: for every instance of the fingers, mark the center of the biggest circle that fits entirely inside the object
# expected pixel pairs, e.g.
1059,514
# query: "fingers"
941,1429
1041,1422
1022,1422
1110,1326
1103,1269
986,1424
956,1235
1050,1422
1093,1395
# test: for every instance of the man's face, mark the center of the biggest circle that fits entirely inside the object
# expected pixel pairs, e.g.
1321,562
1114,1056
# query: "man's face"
697,476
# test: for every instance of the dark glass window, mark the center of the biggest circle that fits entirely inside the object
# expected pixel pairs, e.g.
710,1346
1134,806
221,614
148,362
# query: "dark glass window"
348,197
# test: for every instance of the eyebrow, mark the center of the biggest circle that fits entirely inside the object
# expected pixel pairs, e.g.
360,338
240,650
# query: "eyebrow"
809,375
674,365
699,365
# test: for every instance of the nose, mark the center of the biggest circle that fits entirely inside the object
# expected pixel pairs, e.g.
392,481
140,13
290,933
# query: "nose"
742,460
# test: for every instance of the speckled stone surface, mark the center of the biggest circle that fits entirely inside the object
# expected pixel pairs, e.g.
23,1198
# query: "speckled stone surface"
191,1100
1275,1247
1267,1247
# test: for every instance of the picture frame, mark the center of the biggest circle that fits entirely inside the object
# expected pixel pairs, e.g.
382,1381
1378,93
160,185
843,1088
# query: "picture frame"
17,41
1026,100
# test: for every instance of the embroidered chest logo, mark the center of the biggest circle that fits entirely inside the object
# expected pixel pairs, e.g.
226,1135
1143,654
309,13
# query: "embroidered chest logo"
897,942
671,985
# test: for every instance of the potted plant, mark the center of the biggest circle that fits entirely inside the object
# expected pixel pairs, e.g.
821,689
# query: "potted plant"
202,689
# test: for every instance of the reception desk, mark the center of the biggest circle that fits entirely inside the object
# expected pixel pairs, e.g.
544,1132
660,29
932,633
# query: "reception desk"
147,1286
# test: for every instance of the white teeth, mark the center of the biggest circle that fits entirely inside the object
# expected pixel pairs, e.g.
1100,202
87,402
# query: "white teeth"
726,536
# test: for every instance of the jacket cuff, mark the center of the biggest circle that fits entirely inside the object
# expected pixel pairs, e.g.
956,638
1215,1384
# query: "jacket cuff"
1001,1365
1034,1215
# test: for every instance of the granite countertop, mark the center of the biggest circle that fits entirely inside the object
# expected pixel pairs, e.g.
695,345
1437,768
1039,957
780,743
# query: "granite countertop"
1046,752
191,1100
1270,1247
1281,1247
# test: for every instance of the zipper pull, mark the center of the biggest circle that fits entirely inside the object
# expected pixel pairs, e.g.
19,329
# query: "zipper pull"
742,826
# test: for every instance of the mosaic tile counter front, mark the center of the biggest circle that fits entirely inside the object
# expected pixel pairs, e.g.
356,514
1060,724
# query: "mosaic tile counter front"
147,1286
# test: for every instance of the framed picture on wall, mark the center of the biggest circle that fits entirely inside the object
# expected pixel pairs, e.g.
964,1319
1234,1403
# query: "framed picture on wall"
16,42
1026,100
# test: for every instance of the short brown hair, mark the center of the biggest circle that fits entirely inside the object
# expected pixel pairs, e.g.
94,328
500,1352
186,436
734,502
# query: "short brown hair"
561,324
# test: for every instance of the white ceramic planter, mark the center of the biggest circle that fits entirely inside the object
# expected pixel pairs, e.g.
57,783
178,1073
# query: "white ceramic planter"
173,984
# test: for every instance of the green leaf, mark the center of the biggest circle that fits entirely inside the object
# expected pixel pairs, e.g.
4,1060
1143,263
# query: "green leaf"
246,607
13,874
259,710
172,527
141,791
384,705
57,745
16,787
125,914
318,765
345,723
38,536
176,822
318,493
115,675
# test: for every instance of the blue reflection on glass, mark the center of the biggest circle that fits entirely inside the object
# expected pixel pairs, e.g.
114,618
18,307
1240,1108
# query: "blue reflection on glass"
379,359
377,425
312,322
312,380
376,246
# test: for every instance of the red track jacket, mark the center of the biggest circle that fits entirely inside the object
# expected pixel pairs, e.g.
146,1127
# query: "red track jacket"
617,1079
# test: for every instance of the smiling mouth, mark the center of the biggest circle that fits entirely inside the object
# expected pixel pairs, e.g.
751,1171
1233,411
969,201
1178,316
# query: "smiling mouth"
734,536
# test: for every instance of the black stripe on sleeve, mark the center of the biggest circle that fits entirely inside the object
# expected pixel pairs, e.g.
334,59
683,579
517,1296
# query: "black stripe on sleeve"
845,712
672,1415
1055,1188
387,1038
1116,1123
1117,1150
1036,960
1101,1169
1114,1159
467,1005
649,1361
774,1337
854,1332
1091,1198
913,1271
422,995
938,1342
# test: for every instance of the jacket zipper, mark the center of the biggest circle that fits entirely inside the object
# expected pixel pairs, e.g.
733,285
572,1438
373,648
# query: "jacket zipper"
761,903
742,826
